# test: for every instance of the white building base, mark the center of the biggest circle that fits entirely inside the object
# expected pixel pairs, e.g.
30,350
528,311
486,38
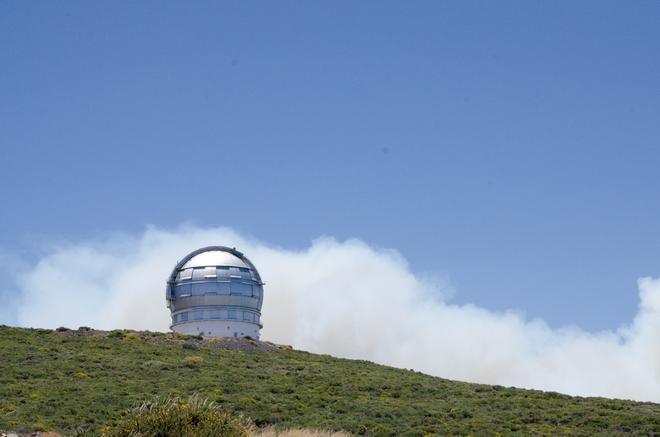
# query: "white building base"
218,328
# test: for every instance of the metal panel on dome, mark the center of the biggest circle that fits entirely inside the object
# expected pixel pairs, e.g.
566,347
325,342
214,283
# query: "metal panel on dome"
215,258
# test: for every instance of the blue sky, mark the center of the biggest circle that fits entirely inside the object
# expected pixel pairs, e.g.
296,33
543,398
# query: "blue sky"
514,147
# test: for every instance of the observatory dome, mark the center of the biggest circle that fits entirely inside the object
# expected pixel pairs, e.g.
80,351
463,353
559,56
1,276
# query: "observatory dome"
215,291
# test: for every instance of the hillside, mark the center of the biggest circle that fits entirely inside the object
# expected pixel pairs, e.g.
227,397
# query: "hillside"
65,380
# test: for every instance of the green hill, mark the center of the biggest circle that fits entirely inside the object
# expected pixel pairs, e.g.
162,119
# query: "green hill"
85,379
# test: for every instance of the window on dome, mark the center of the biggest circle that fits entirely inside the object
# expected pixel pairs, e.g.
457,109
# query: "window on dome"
231,314
210,272
199,315
215,314
198,274
182,290
223,287
201,288
184,275
183,317
241,288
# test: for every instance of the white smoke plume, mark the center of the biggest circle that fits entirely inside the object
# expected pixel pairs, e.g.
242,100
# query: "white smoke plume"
349,300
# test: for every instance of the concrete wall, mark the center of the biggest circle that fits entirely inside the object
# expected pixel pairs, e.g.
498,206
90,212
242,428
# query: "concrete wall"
218,328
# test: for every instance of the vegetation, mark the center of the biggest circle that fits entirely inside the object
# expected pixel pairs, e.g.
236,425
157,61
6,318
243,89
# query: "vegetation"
193,417
84,381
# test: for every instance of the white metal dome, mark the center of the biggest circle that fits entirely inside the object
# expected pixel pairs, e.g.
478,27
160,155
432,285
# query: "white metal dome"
215,291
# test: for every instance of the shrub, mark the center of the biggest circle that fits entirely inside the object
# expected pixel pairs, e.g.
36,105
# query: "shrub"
132,336
39,426
116,333
194,417
155,364
190,345
193,361
62,329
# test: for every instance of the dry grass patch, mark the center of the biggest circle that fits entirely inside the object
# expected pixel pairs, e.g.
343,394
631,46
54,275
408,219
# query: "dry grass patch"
193,361
272,432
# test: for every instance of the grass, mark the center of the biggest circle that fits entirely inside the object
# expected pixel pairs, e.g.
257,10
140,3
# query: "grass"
195,417
69,381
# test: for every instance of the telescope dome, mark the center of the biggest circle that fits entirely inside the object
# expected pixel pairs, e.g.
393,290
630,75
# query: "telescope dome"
215,291
215,257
